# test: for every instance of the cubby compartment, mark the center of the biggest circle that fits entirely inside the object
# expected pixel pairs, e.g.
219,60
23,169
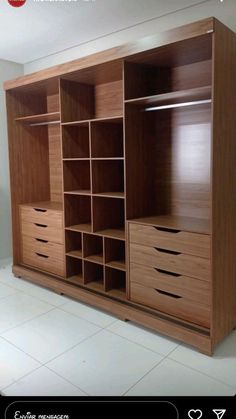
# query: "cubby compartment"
108,178
94,275
177,67
75,142
39,104
108,217
107,139
115,282
85,95
74,270
77,177
115,253
93,248
78,213
74,244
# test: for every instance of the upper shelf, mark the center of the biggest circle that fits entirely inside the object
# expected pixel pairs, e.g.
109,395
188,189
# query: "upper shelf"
180,96
40,118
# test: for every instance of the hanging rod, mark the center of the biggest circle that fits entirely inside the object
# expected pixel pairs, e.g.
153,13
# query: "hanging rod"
178,105
44,123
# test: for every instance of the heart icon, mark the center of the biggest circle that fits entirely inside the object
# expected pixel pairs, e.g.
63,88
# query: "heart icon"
195,414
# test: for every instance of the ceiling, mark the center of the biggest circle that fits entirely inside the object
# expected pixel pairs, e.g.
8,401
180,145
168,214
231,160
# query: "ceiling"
43,27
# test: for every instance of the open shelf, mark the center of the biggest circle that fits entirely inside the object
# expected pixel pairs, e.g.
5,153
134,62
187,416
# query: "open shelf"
117,119
108,215
78,192
115,280
85,97
93,248
115,254
196,225
77,176
74,268
40,119
108,177
75,142
111,194
78,212
93,274
115,233
73,244
181,96
86,228
107,139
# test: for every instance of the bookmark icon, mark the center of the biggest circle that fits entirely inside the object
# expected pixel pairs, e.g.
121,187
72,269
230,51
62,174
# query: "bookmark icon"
219,413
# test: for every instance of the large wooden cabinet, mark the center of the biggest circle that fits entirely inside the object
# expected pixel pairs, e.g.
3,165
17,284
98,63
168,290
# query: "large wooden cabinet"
123,181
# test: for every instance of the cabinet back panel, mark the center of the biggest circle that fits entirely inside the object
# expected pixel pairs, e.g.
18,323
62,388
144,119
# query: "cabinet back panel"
109,99
55,162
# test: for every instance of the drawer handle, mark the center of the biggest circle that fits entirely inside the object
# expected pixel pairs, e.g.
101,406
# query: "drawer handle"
168,230
162,271
42,241
40,210
171,252
168,294
41,225
41,255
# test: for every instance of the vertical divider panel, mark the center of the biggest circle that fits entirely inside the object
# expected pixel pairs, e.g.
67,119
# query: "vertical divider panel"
62,174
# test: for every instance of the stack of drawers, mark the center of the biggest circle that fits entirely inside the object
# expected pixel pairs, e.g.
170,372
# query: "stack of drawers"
42,238
170,271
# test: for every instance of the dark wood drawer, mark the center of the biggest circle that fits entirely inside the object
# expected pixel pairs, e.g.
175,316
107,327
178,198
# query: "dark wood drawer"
172,304
170,239
189,288
176,262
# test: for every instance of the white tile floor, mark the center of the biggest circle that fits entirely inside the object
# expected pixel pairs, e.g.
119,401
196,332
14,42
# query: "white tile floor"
51,345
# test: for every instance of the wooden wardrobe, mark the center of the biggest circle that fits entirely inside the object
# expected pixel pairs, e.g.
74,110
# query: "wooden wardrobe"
123,181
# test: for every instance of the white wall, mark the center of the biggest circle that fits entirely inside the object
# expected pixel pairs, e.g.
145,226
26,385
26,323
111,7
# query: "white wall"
226,12
8,70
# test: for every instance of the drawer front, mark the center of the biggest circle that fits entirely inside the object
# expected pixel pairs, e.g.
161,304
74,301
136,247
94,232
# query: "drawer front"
43,246
42,231
189,288
36,215
175,305
47,257
179,263
181,241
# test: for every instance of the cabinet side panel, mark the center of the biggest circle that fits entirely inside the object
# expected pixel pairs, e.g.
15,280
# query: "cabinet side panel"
224,183
29,167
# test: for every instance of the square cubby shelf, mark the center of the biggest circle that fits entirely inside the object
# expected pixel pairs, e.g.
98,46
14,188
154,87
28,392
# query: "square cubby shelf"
74,270
77,177
115,282
107,139
115,253
94,275
108,178
93,248
75,141
108,217
78,213
74,244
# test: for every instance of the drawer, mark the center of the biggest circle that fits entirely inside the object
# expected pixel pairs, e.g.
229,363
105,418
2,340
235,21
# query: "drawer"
190,288
175,305
42,231
48,217
181,241
45,256
43,246
167,260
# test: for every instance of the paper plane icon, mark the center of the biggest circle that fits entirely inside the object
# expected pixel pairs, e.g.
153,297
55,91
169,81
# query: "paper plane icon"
219,413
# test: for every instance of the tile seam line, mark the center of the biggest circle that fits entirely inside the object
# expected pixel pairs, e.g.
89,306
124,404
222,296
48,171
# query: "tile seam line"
203,373
116,31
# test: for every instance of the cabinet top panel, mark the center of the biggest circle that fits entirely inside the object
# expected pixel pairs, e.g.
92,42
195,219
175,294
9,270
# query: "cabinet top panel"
188,31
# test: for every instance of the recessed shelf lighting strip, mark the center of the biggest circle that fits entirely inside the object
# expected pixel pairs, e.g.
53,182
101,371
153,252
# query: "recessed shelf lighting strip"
178,105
